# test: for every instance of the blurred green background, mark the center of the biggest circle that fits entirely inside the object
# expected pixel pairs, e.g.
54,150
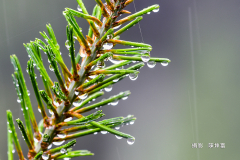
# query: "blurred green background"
195,99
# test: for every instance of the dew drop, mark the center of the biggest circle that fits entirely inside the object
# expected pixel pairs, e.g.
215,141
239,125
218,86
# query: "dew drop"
124,98
107,46
156,10
19,100
95,133
58,143
61,135
39,110
13,151
133,76
151,64
56,103
108,88
66,158
76,92
131,122
145,57
116,80
83,96
51,68
50,111
82,54
77,103
45,156
10,131
117,128
118,137
148,12
117,27
114,103
67,44
28,92
50,146
79,8
130,141
164,63
68,119
63,151
104,132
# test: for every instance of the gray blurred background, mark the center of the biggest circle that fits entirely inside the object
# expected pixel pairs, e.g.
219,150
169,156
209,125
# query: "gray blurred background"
195,99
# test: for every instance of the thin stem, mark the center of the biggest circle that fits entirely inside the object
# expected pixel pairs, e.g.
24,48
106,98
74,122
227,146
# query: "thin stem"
14,135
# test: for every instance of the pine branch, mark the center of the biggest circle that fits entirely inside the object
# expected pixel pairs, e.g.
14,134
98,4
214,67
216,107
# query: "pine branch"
82,84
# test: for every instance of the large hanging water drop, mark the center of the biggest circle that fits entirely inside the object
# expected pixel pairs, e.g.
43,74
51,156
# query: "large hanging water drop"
156,10
165,63
118,137
67,44
107,45
79,8
151,64
83,96
130,141
58,143
108,88
145,57
133,76
45,156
